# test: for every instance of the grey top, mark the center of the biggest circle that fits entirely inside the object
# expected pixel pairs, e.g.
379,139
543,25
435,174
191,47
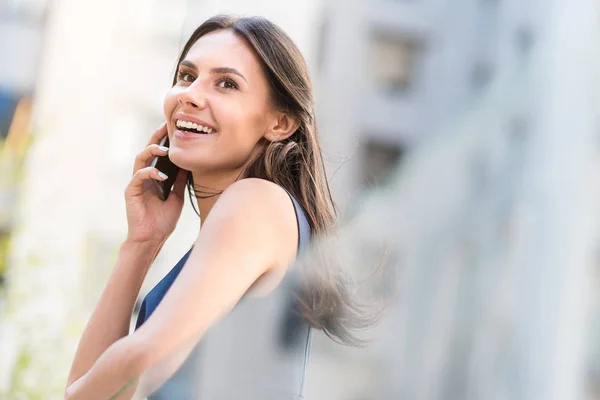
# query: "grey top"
260,350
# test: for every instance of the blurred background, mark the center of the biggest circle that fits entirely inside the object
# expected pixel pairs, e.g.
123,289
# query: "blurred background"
465,133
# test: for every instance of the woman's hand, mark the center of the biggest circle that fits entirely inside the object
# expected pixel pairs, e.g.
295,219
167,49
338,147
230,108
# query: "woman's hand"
149,218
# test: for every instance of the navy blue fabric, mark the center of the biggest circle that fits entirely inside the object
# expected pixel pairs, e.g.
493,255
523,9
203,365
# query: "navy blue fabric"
158,292
179,386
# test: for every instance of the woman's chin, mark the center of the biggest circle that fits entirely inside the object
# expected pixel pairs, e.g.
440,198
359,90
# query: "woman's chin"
180,160
186,162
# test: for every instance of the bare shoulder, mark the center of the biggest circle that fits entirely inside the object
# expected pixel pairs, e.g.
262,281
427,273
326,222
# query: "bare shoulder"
263,208
255,194
265,202
259,189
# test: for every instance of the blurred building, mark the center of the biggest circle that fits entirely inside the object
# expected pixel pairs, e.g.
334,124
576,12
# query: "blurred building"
392,72
489,108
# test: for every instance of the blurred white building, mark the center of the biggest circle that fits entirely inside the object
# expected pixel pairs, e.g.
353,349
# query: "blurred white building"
392,72
491,107
392,75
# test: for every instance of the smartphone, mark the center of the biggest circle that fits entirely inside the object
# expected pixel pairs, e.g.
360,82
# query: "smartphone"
165,165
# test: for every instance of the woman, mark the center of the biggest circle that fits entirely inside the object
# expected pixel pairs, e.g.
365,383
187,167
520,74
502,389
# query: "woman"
246,85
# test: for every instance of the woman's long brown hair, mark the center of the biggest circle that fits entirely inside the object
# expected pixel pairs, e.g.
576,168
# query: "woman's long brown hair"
296,163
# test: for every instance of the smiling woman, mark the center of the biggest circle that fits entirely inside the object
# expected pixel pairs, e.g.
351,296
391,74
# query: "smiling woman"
241,126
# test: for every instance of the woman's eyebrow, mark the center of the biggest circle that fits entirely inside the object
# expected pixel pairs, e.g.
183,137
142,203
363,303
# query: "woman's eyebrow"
216,70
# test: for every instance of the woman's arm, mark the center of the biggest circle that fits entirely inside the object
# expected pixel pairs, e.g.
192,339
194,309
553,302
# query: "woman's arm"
250,231
111,317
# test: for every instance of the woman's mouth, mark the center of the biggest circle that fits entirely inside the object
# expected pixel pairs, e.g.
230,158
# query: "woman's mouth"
192,127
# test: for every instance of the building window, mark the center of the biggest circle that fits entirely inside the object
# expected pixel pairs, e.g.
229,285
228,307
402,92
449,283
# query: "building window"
518,140
480,171
524,40
518,130
394,60
481,75
380,158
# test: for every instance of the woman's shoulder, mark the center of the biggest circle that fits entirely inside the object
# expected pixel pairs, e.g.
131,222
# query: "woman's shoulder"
257,195
254,186
256,204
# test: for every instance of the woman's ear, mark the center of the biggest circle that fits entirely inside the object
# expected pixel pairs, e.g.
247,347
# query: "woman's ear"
283,127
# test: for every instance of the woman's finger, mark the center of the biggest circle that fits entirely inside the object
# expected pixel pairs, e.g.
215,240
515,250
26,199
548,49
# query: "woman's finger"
136,185
179,185
144,158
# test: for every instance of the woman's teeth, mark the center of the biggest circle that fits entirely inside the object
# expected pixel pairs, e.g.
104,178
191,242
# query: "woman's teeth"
193,126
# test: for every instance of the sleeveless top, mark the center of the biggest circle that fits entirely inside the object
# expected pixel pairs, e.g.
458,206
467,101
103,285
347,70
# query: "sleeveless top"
259,350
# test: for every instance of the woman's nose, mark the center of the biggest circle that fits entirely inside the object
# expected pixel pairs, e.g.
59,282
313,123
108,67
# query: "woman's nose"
192,97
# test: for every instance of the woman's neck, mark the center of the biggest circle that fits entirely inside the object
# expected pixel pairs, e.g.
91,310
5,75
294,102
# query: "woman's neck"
208,190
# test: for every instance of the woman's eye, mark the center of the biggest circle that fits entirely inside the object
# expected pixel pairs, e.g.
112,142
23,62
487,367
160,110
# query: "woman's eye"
227,84
187,77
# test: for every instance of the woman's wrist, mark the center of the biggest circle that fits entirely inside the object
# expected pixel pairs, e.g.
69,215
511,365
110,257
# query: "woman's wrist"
141,253
141,245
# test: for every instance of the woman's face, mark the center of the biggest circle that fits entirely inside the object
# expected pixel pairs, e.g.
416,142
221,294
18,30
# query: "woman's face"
220,84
